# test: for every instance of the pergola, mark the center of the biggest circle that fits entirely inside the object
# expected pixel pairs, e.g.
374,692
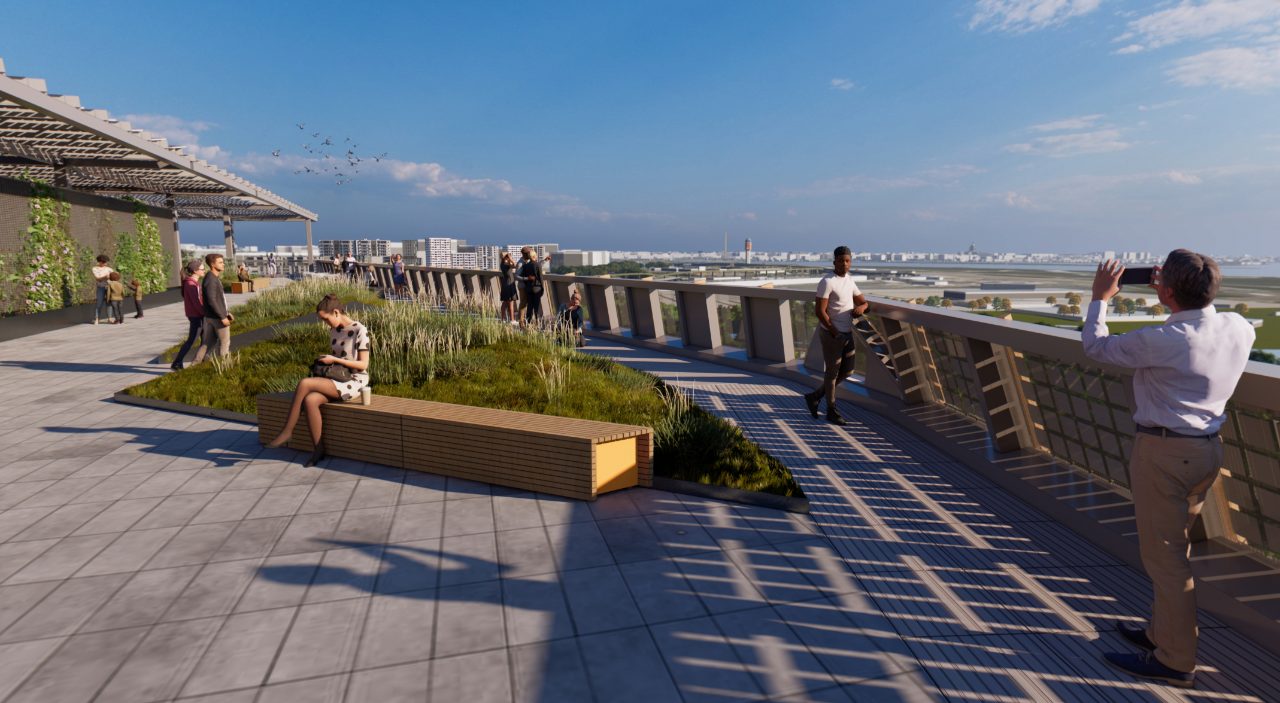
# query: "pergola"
52,137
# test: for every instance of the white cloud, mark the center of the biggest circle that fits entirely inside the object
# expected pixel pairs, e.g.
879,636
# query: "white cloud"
1250,69
1190,20
749,216
1076,144
951,172
1184,178
1020,16
928,215
1018,201
1070,123
183,133
842,84
1159,106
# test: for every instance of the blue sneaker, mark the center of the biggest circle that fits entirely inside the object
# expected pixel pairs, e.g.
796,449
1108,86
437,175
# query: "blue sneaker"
1146,666
1136,636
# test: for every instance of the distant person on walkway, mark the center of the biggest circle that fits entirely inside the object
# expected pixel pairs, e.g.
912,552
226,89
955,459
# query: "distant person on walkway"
337,264
193,307
398,278
507,294
1185,371
569,317
272,268
101,275
349,347
350,267
531,276
115,297
135,287
838,301
243,275
217,319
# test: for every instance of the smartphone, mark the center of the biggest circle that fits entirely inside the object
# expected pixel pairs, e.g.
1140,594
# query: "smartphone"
1137,276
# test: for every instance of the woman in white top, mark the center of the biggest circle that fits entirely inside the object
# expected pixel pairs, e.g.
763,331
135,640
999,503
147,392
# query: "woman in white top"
349,347
101,274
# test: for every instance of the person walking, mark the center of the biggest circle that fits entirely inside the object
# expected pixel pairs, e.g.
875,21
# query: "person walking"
1185,371
272,268
349,267
531,275
217,319
507,294
838,302
193,307
115,297
349,348
101,276
135,287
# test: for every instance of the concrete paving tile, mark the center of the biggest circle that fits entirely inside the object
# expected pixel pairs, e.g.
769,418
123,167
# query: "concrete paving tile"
374,493
578,545
161,484
472,677
680,533
162,662
549,671
280,501
214,591
307,533
322,641
104,466
463,489
468,559
63,559
208,480
129,553
280,581
773,574
194,544
773,653
328,689
365,525
848,652
255,476
703,663
242,696
116,487
535,609
15,555
613,505
76,671
422,488
399,628
16,600
229,506
469,619
512,512
60,492
661,591
327,497
631,539
649,501
524,552
557,511
599,600
719,583
345,573
406,682
241,653
15,520
60,468
176,510
417,521
61,522
410,566
143,600
118,516
16,470
295,474
19,659
626,667
465,516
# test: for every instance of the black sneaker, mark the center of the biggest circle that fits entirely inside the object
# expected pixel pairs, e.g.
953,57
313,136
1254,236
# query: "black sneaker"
812,401
835,418
1146,666
1136,636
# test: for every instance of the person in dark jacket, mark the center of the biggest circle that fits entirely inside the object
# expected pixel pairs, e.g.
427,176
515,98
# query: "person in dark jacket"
193,306
217,320
569,318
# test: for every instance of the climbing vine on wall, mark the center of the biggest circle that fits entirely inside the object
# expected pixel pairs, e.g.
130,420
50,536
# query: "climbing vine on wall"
140,254
53,271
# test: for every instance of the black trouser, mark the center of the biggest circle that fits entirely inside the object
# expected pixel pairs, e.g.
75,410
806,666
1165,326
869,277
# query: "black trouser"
193,332
117,310
137,306
533,304
838,351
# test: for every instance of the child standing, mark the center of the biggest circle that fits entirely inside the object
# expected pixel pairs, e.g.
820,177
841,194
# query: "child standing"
137,297
115,297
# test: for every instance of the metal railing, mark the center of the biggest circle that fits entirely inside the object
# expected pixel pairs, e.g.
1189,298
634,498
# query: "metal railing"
1030,385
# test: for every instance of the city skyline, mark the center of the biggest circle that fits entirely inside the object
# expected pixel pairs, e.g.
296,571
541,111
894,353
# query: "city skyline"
1106,124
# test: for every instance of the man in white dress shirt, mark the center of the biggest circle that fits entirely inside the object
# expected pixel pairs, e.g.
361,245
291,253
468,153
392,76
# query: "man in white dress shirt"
1185,371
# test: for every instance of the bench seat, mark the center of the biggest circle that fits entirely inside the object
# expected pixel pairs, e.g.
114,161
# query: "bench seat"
556,455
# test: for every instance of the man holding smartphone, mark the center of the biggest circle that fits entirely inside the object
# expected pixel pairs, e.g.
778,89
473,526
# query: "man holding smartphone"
1185,371
838,301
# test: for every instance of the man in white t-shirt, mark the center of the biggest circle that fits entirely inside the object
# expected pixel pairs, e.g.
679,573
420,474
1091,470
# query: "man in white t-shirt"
838,302
101,274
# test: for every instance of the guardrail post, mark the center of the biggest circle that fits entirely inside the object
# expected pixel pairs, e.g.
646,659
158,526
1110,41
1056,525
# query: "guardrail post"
913,361
554,294
419,287
699,319
457,288
767,327
603,307
645,310
1008,420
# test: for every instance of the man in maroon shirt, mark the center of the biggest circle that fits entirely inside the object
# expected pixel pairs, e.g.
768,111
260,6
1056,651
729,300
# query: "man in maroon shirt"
193,306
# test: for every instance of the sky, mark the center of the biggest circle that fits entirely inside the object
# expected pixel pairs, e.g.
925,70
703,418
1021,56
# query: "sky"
1016,125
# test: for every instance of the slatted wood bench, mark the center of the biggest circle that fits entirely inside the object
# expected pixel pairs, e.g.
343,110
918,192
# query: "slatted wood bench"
556,455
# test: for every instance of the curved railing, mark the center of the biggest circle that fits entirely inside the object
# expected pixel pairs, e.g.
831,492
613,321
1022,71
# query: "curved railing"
1031,386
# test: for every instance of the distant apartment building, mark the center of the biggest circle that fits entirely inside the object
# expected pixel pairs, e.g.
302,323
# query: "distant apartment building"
578,257
414,251
370,250
440,251
488,257
330,248
466,260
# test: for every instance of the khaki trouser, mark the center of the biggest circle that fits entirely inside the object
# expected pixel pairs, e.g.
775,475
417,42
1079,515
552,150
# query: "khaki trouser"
1169,477
837,355
211,330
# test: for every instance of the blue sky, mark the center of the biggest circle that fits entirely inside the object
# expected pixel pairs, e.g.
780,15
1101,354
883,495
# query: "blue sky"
1031,125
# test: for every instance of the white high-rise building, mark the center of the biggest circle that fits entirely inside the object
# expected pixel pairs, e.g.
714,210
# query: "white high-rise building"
465,260
440,251
488,257
414,251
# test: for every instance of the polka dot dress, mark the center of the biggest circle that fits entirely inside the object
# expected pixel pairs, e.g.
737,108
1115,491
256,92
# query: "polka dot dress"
346,342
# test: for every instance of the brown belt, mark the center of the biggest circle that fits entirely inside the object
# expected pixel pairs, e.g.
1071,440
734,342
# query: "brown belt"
1165,432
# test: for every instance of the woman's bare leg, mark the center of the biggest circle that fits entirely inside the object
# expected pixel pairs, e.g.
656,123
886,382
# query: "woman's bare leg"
306,387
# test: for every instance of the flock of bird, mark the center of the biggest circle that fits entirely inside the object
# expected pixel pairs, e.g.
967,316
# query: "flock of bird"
342,167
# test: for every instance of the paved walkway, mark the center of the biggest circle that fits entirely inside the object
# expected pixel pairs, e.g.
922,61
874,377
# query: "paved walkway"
149,556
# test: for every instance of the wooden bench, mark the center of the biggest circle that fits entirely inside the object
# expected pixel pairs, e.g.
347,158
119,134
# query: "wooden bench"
241,287
557,455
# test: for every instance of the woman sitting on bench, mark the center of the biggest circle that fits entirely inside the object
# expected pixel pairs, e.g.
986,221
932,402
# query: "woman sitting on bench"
349,347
